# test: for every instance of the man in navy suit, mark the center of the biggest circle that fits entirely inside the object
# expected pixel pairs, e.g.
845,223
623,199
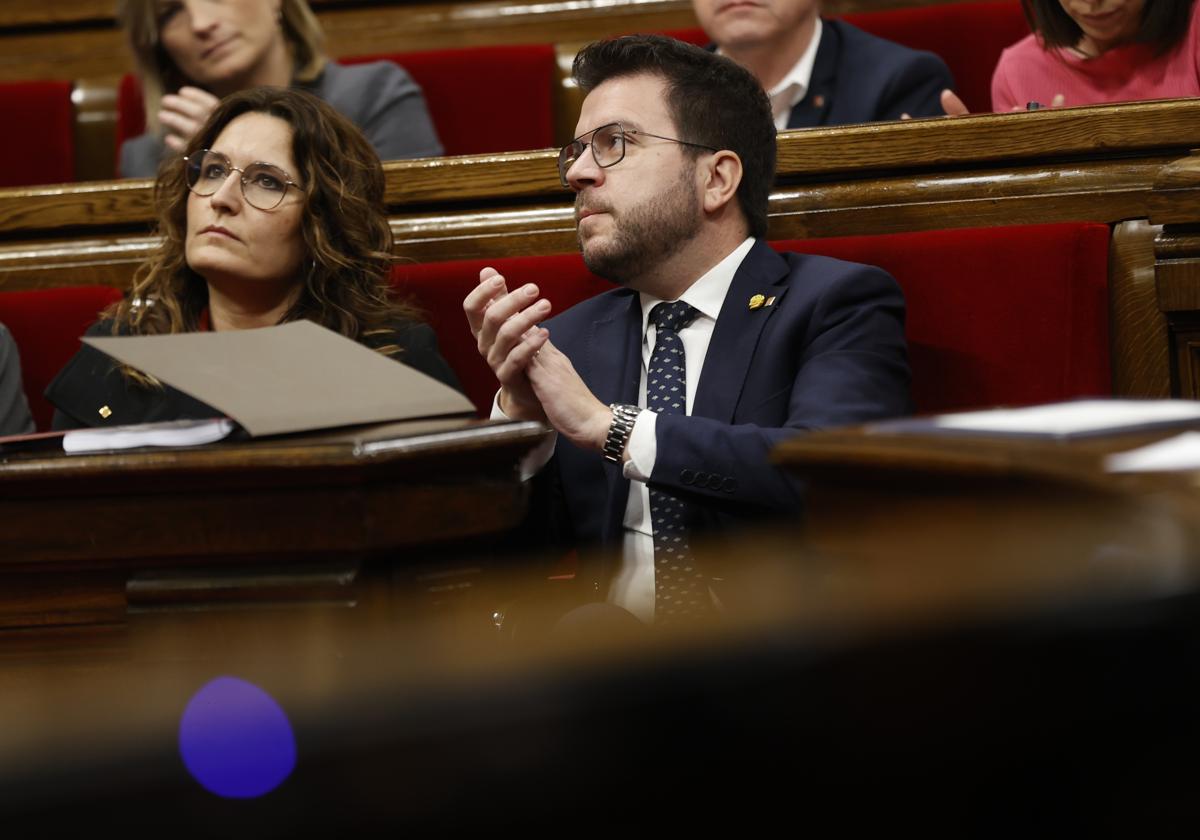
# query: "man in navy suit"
826,72
671,171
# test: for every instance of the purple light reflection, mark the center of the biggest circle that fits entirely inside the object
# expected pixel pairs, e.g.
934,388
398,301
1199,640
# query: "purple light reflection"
235,740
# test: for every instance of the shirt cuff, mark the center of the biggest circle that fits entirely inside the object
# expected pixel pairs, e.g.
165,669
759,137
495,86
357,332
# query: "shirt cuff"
535,459
642,447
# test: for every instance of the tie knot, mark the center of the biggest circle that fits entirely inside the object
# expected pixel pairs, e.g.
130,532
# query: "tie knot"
673,316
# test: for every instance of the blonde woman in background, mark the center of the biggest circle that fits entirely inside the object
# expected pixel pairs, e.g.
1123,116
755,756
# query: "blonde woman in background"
191,53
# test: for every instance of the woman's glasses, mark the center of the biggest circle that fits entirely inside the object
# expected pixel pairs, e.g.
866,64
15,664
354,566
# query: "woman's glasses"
263,184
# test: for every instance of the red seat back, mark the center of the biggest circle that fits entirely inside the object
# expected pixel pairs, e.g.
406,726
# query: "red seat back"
46,325
439,288
485,99
481,99
39,145
996,316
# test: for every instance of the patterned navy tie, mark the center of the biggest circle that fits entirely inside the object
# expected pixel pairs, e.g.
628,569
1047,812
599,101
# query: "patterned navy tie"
680,590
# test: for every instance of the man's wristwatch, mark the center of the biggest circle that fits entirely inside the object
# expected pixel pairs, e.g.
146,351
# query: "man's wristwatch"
624,416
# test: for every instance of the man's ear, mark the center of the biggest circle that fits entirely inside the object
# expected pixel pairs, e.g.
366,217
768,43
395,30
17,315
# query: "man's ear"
722,173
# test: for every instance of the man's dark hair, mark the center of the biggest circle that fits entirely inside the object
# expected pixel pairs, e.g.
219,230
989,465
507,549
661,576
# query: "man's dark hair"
1164,23
713,101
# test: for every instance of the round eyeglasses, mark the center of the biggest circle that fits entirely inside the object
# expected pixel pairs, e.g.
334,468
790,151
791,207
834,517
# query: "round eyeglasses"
608,147
263,184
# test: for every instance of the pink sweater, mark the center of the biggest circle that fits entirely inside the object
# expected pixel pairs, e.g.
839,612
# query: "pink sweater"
1028,73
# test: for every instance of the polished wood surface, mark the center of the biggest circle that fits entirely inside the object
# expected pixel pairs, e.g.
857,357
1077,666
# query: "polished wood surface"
945,688
973,507
1129,166
1105,164
1138,337
281,519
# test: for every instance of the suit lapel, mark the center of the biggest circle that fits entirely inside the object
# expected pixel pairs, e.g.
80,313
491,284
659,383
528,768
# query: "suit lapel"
614,367
735,336
813,109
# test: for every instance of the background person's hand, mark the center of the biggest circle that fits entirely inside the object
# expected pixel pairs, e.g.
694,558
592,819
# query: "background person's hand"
951,104
181,114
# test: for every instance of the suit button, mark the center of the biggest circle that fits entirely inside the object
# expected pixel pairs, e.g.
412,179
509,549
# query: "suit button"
687,476
702,479
714,482
729,485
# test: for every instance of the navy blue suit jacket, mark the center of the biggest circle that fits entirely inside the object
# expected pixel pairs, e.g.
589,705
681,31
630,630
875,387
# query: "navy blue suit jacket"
860,78
829,351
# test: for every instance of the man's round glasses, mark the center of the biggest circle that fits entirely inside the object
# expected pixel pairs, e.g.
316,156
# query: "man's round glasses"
263,184
608,147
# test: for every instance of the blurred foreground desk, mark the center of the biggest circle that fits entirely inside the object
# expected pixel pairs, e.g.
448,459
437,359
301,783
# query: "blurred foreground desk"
939,522
1027,656
286,520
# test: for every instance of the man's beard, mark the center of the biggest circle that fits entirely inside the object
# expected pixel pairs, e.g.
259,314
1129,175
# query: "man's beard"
646,236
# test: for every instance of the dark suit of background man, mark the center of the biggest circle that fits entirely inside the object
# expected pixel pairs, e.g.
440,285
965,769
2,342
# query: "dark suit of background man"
825,72
671,169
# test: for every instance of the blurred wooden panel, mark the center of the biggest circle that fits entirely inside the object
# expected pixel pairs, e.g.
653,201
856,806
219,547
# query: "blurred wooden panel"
1137,328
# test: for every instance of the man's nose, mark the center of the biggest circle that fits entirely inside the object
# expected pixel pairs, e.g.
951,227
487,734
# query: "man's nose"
584,171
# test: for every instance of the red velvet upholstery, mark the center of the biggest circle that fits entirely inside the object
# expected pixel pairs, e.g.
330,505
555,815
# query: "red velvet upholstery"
996,316
485,99
38,147
46,325
1010,316
438,290
481,99
969,37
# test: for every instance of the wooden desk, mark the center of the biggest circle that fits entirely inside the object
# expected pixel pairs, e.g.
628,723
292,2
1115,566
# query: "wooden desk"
295,519
990,518
866,695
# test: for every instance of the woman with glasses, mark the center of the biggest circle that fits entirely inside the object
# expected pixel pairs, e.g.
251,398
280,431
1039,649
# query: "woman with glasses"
189,53
274,213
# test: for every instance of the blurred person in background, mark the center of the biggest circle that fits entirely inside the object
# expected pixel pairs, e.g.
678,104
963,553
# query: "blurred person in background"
818,71
1087,52
190,53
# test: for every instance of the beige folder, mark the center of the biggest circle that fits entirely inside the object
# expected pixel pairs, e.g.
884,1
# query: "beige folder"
291,378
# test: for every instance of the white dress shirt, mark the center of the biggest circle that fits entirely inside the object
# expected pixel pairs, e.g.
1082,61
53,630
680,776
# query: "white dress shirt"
632,586
792,87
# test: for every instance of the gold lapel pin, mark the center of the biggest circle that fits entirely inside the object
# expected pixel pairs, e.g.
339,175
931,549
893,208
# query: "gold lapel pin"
105,412
756,301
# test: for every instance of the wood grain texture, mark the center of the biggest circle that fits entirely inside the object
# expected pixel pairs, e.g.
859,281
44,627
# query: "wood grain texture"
832,182
854,152
1138,339
283,498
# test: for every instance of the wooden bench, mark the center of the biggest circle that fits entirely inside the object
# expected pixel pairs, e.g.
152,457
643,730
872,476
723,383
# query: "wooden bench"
470,82
1125,167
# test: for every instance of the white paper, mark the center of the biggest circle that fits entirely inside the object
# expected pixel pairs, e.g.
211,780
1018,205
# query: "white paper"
174,433
1070,418
1181,452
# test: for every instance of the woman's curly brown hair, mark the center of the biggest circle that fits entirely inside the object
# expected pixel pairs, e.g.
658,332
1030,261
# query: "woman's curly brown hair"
347,239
